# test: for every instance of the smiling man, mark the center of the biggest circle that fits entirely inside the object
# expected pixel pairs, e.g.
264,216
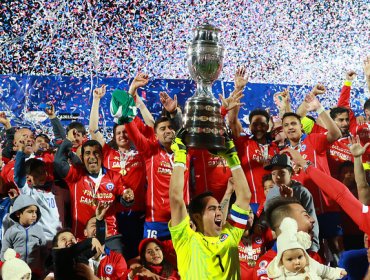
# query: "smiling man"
210,252
90,184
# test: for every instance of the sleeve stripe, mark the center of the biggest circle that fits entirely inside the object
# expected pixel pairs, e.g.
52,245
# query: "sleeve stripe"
238,220
236,214
235,224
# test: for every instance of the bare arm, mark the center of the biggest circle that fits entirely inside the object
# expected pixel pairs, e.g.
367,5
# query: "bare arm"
225,202
240,81
98,93
314,104
141,80
232,105
177,203
363,187
367,72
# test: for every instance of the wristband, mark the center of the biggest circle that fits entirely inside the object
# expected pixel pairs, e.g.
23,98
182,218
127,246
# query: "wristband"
308,164
348,83
320,110
179,164
223,111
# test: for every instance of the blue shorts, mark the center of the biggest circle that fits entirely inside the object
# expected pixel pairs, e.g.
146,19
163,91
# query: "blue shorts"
157,230
330,225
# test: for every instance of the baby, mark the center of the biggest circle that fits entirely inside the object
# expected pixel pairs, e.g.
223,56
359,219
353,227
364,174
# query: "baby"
292,261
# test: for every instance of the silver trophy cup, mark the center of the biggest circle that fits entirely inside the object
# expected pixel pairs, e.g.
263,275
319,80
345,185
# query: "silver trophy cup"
203,120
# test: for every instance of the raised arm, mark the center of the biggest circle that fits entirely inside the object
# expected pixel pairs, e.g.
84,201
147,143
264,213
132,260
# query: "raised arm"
367,72
225,201
173,112
312,103
363,187
58,129
141,80
63,154
240,81
232,106
241,187
10,131
176,193
98,93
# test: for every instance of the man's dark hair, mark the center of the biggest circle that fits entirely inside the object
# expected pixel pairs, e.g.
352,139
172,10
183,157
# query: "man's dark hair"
43,135
160,120
91,143
334,112
55,239
197,204
78,126
33,164
345,164
367,104
259,112
277,209
291,114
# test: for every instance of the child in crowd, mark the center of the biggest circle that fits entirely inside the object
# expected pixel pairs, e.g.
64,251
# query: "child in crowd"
153,263
26,237
292,261
31,179
14,268
67,253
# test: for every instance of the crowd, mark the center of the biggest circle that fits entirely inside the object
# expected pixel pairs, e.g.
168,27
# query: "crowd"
288,200
290,42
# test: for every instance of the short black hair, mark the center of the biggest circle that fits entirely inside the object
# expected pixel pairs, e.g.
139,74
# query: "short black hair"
290,114
43,135
32,164
259,112
334,112
345,164
367,105
277,209
197,204
55,239
91,143
78,126
160,120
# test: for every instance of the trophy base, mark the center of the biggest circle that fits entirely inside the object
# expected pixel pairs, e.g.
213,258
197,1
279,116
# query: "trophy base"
204,141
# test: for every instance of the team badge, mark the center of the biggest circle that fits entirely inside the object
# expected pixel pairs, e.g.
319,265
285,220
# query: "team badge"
223,237
303,148
258,240
108,269
110,186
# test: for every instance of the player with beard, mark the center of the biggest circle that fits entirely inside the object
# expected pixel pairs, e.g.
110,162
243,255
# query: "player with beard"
158,157
122,157
90,184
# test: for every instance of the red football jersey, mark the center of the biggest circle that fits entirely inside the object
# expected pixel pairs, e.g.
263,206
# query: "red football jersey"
250,250
158,170
132,166
253,158
211,173
85,195
112,266
337,154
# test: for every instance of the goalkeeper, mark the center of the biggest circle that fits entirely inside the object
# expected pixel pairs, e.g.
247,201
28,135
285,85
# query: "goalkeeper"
210,252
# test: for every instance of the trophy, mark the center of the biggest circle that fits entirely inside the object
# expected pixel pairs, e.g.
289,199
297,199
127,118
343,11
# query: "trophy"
203,121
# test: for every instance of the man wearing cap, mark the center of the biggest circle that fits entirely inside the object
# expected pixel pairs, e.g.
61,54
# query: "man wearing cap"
281,168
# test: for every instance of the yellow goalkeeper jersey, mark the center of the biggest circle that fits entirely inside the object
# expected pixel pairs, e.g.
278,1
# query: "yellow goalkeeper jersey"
204,257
